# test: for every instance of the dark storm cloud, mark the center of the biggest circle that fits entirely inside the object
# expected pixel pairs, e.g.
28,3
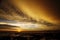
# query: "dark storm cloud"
5,26
8,11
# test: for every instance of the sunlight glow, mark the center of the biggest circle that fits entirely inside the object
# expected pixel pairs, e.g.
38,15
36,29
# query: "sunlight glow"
29,26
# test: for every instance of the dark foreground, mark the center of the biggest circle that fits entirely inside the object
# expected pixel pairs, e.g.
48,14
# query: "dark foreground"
40,35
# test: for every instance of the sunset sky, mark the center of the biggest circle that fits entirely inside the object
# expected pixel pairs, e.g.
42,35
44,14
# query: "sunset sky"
27,13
